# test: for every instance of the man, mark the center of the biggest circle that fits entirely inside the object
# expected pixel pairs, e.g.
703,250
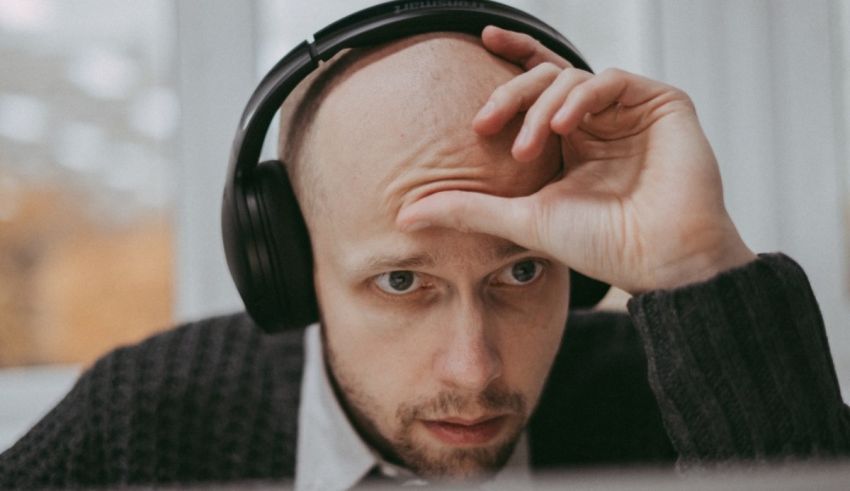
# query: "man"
442,219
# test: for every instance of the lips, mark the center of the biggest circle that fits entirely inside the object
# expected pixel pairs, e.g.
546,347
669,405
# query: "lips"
466,432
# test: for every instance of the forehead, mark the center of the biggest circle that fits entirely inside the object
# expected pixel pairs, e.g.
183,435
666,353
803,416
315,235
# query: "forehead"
398,126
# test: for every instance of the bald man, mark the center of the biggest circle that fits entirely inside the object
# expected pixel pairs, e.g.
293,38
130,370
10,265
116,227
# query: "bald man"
448,184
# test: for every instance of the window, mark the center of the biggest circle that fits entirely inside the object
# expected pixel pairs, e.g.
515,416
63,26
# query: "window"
88,117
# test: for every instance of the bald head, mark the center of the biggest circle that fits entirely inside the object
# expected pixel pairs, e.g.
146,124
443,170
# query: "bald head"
395,121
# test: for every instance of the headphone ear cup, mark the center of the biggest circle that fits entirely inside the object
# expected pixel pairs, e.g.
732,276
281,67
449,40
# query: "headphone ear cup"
268,249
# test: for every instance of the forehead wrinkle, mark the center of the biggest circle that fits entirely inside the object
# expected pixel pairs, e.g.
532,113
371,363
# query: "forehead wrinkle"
459,160
396,127
406,165
428,167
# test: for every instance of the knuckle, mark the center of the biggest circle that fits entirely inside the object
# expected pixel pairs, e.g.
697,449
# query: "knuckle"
675,96
682,96
581,92
570,74
613,72
546,69
534,46
531,44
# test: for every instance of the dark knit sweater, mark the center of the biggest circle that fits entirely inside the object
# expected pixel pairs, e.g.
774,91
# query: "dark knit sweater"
734,368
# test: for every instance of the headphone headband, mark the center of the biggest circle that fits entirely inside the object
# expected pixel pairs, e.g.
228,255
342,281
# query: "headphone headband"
266,241
372,26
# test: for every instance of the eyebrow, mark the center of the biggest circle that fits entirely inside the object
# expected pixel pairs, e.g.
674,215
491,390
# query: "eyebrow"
387,262
384,262
509,249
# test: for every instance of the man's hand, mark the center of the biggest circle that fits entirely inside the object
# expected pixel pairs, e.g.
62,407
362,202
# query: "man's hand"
639,203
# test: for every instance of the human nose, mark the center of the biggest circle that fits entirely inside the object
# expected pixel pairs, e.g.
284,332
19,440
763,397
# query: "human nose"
468,359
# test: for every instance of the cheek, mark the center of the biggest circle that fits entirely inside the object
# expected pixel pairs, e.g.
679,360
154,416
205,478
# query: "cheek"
528,354
530,334
376,359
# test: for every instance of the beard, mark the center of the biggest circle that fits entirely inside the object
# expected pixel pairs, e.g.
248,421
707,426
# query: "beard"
453,463
430,461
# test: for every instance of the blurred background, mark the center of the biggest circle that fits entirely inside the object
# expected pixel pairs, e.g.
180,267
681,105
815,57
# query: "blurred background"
116,118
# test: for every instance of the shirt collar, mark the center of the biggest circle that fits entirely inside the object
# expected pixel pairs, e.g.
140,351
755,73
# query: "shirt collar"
330,455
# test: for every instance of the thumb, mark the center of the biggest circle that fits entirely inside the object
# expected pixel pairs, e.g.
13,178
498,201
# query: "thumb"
508,218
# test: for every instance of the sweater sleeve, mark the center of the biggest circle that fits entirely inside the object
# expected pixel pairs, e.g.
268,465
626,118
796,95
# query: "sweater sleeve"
741,368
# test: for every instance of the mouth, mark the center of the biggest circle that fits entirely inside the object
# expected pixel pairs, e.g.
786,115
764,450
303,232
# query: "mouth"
466,432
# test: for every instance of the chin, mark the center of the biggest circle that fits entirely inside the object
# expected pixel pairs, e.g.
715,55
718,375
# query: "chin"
433,459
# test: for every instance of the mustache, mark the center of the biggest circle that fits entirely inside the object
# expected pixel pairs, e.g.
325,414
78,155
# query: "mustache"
449,404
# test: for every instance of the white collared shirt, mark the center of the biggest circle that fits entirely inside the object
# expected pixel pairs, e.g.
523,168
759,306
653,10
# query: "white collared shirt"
331,455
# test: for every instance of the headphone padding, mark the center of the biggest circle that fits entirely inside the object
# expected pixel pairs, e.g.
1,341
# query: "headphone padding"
270,256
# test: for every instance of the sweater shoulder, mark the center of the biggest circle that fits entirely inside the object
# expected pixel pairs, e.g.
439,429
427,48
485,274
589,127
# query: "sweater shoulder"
598,346
208,335
597,398
216,353
210,400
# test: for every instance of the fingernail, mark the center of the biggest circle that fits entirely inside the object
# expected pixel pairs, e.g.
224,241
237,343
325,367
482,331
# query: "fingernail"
522,138
486,111
560,116
413,227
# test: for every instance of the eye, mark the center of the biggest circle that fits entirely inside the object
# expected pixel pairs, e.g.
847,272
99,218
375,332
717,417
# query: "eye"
398,282
520,273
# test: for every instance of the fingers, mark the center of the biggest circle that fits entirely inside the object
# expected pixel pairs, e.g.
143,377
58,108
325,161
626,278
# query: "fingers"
602,91
540,92
557,100
515,96
509,218
519,48
536,128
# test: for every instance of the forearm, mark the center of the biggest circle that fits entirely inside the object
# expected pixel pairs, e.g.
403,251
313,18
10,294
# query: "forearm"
741,368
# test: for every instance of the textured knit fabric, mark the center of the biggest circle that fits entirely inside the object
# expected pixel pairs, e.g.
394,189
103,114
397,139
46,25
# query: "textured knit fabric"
739,367
208,401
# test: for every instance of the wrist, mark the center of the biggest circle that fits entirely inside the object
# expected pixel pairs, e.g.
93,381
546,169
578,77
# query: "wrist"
703,265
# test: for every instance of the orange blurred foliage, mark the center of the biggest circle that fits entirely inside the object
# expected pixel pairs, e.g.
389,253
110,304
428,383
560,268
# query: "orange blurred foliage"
72,288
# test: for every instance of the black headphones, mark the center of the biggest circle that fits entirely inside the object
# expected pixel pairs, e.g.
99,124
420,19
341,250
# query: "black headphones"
265,238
